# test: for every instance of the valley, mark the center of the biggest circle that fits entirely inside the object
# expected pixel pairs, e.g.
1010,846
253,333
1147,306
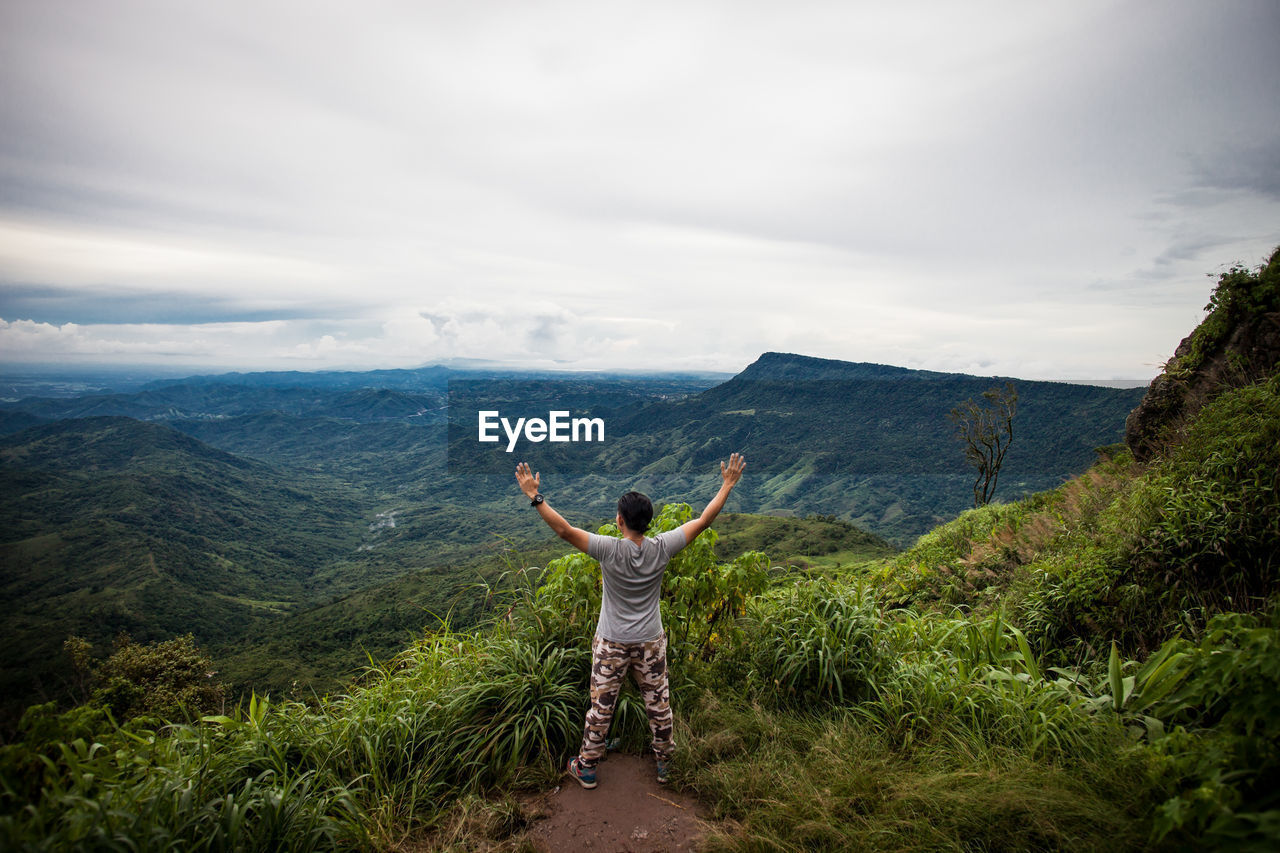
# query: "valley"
303,525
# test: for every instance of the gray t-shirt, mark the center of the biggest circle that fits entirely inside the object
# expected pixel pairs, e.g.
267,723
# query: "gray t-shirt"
632,584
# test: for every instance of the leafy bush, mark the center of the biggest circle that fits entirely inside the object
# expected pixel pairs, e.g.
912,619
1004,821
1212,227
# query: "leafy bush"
524,705
1225,755
813,644
1210,531
191,788
169,678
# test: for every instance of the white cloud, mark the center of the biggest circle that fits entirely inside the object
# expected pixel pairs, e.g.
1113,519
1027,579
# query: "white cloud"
396,184
67,257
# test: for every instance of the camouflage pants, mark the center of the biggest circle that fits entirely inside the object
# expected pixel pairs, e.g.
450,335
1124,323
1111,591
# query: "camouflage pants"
610,663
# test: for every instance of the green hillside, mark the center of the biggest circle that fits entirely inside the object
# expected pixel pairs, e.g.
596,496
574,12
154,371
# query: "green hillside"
874,446
812,542
114,525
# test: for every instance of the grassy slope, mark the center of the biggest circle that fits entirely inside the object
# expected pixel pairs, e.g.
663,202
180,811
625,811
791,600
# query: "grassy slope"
813,542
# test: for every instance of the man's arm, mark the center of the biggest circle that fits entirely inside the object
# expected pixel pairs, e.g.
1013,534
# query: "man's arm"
730,475
529,484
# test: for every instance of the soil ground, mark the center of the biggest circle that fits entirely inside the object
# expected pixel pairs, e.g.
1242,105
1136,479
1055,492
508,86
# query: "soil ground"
627,811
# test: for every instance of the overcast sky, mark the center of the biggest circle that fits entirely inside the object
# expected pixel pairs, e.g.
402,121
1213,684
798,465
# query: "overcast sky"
1041,189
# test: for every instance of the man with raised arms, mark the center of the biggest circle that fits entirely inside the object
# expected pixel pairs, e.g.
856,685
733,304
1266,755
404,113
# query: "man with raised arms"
629,634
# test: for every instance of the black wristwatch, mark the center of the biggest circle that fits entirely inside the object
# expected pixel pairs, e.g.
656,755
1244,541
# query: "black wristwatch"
537,499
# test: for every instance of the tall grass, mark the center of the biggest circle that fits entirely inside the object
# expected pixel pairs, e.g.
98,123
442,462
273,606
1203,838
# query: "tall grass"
838,780
455,713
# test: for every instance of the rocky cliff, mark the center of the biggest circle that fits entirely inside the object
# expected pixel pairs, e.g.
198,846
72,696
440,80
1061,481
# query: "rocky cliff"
1237,344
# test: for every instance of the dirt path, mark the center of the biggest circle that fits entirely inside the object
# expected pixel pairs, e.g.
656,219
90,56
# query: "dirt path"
627,811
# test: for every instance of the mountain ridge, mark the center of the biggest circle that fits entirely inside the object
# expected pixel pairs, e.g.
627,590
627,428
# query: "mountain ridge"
785,365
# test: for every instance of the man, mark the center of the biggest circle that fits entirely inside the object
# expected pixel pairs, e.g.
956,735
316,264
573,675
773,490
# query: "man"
629,634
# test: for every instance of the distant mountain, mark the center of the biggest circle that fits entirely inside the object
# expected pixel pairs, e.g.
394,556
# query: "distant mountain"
865,419
433,378
379,454
783,367
11,422
869,443
217,400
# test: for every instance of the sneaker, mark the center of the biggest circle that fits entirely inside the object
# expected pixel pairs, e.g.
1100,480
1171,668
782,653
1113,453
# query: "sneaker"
664,771
586,776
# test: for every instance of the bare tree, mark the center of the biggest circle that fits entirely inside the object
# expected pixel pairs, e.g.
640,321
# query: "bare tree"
986,428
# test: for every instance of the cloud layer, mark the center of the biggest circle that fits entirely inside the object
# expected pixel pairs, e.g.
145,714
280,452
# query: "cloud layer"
995,187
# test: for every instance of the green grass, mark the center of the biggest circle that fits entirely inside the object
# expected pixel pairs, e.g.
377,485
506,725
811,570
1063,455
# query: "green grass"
837,781
823,720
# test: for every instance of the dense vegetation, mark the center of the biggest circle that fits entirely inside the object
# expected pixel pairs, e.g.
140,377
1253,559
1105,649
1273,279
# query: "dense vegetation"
1094,667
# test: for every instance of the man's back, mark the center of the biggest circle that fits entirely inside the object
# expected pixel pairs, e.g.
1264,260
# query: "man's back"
632,576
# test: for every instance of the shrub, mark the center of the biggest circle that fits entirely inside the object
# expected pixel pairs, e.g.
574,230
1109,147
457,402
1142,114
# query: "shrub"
1225,756
171,679
815,644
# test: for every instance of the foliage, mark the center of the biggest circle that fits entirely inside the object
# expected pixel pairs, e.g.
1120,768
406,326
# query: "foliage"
1209,517
527,706
455,713
168,678
814,541
700,596
1121,553
840,781
930,568
1195,534
1225,755
812,644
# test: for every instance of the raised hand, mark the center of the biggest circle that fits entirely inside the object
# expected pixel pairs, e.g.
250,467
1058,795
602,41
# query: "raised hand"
732,473
529,482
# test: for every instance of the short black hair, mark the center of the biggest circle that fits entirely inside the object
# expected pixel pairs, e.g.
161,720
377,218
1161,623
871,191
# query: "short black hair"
636,511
